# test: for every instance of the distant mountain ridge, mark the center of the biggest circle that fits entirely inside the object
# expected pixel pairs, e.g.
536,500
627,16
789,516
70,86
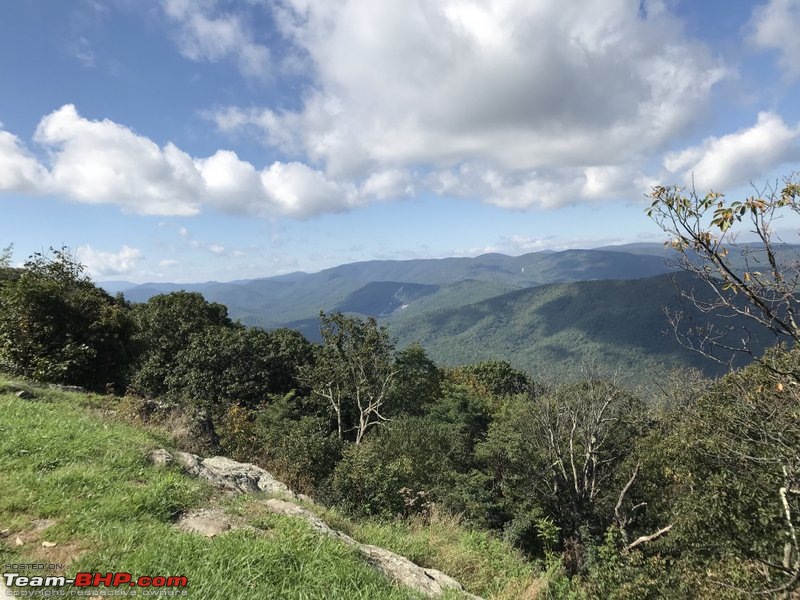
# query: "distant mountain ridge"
276,301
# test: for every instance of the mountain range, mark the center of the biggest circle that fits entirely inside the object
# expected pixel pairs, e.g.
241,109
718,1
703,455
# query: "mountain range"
540,311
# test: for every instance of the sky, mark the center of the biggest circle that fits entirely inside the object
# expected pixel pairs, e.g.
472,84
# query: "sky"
197,140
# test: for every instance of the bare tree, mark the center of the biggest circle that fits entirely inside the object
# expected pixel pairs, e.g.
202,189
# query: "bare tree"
353,372
757,280
584,432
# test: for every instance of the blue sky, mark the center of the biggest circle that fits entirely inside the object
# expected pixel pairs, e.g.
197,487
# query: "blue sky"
195,140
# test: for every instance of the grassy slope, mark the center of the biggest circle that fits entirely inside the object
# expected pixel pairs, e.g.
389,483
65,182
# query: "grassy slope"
63,461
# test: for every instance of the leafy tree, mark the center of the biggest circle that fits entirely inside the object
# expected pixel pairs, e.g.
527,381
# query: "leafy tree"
734,474
353,372
290,353
499,378
418,382
6,271
758,281
236,365
57,326
5,256
165,325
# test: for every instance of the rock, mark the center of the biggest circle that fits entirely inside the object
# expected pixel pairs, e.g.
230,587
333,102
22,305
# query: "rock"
48,544
67,388
160,457
209,522
42,524
281,507
429,582
246,478
227,474
24,395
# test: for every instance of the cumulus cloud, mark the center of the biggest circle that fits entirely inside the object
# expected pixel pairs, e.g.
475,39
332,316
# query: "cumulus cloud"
105,162
104,264
102,161
774,26
737,158
539,93
204,35
19,170
544,188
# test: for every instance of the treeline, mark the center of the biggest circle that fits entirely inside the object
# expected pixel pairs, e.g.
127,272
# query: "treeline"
694,493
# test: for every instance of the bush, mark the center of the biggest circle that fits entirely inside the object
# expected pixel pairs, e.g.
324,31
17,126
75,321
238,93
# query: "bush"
398,471
57,326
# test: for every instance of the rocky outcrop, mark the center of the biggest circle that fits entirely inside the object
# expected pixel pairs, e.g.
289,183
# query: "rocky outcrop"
430,582
224,473
245,478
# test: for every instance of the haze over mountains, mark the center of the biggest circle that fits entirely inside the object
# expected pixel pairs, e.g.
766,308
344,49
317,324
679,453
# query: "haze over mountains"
540,311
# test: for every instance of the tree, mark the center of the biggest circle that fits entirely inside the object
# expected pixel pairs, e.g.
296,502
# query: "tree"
418,382
564,456
236,365
749,430
353,373
5,256
165,325
397,471
499,377
758,281
57,326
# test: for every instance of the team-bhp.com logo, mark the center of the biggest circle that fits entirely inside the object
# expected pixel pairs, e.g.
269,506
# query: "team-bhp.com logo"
94,580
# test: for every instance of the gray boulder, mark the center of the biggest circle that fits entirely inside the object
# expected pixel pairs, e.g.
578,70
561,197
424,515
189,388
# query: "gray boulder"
224,473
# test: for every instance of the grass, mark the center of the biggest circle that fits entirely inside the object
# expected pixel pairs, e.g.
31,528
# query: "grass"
484,564
87,477
68,462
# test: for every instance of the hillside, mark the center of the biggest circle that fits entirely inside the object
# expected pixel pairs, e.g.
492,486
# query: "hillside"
617,324
78,490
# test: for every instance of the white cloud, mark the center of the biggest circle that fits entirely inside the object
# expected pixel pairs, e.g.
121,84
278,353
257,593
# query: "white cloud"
205,36
539,93
216,248
105,264
19,170
183,232
103,162
774,26
737,158
167,262
546,188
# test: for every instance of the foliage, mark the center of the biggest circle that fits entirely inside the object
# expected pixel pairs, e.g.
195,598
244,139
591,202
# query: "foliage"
756,282
398,471
418,383
498,377
353,372
299,447
57,326
557,461
165,325
223,365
